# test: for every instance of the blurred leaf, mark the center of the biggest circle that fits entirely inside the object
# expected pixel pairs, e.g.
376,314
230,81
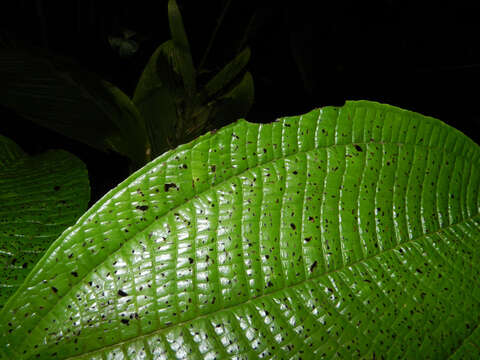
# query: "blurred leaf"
127,118
167,98
40,196
184,62
9,152
124,47
57,93
177,29
235,104
223,78
158,95
127,33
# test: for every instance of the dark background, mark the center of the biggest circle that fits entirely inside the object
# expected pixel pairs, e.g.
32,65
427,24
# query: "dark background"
422,56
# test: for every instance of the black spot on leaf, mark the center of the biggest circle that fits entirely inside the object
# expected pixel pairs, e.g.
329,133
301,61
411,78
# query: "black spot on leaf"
168,186
122,293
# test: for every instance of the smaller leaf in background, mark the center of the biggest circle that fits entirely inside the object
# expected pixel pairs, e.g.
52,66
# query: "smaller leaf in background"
234,104
40,197
225,76
57,93
9,152
158,94
133,137
166,96
184,62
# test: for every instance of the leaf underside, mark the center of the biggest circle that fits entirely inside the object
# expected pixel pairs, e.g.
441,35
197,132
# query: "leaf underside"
345,232
40,196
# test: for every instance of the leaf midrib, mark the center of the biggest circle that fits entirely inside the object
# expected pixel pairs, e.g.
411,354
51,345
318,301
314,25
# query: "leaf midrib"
255,298
209,189
190,146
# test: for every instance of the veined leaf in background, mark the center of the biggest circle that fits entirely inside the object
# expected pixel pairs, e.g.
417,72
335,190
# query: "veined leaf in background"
40,196
345,232
56,93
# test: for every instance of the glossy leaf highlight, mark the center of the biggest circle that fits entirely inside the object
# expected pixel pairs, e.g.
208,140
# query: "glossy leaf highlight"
345,232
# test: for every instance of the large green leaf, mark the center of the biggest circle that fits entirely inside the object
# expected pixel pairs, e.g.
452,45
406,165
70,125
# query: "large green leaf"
40,196
57,93
345,232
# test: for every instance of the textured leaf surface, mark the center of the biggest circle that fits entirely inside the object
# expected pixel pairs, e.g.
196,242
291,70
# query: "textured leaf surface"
40,196
345,232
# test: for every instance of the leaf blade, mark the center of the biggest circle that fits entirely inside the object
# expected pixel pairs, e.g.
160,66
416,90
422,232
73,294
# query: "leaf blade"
234,104
330,284
158,96
227,74
40,197
179,37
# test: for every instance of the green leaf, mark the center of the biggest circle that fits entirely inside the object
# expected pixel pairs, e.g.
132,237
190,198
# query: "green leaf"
159,95
227,74
9,152
56,93
345,232
235,104
40,196
179,37
124,114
